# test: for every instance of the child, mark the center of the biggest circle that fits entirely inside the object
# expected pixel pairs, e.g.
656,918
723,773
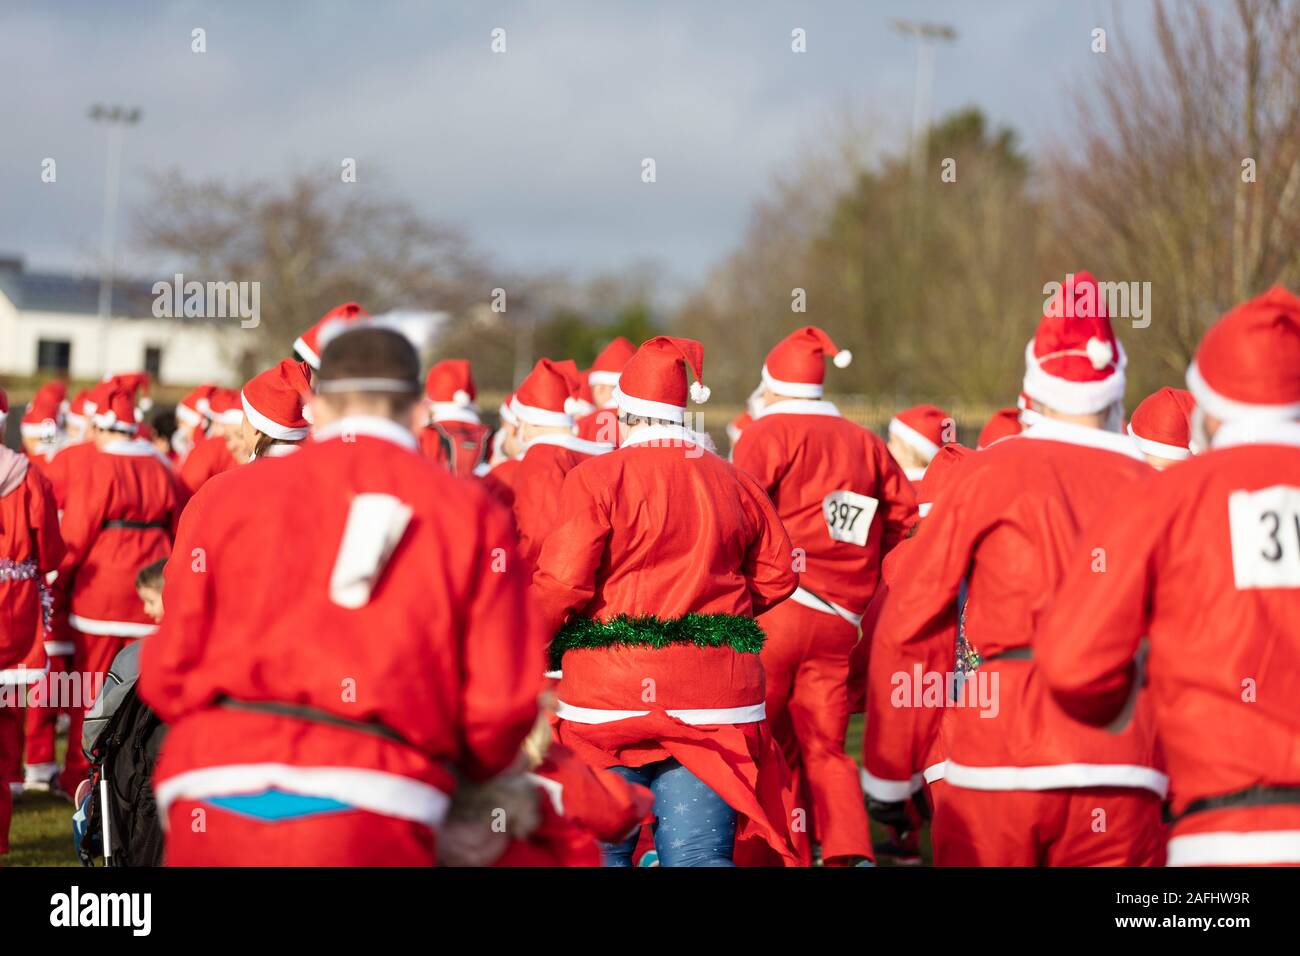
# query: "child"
149,585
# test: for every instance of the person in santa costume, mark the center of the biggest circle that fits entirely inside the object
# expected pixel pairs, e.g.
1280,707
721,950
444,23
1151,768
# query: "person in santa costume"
30,548
506,451
601,425
1025,784
454,436
543,404
904,818
915,436
1004,423
1200,601
212,454
1162,427
41,427
120,514
663,556
307,347
191,422
330,727
845,503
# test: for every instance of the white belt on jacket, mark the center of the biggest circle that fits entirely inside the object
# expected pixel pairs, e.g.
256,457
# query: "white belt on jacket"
808,599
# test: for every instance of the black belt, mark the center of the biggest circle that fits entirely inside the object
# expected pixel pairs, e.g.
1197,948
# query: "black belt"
135,525
1250,797
1025,653
315,716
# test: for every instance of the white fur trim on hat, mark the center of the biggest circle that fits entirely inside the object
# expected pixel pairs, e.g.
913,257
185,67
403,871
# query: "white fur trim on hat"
1228,409
599,377
269,426
912,438
646,408
540,416
187,415
1160,449
792,389
1074,398
309,355
452,412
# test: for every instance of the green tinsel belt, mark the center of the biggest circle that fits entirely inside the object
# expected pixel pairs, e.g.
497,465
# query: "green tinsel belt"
741,634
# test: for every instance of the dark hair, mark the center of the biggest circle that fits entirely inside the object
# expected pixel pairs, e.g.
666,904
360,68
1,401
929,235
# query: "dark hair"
163,423
151,576
371,353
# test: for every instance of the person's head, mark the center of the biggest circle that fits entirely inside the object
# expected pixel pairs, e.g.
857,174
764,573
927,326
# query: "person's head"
544,402
1162,427
906,454
163,424
273,403
1245,377
629,424
1074,364
367,371
114,418
149,586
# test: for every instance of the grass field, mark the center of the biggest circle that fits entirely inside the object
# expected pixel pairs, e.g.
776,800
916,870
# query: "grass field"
41,834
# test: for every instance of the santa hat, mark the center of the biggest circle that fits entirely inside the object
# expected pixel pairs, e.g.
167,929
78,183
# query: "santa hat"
224,406
922,428
940,474
610,362
113,408
76,411
653,383
506,413
584,402
547,395
1004,423
191,409
1248,364
137,383
450,382
795,367
273,400
4,407
1074,364
1162,424
309,345
44,412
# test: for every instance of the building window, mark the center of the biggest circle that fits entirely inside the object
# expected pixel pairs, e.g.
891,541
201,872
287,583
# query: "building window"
53,355
153,362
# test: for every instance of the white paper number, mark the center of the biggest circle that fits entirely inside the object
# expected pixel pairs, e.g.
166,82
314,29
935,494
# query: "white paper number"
848,515
1265,529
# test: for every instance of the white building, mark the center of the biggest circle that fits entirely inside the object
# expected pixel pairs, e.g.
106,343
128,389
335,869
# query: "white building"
50,325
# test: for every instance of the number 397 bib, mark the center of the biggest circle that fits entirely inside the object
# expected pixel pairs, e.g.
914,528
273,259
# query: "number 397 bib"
848,516
1265,527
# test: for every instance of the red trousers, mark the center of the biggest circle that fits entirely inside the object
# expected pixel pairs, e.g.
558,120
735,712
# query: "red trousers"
1098,826
11,762
202,835
91,660
806,667
42,717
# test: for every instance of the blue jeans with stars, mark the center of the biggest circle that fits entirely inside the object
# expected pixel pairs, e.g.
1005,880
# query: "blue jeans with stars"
693,825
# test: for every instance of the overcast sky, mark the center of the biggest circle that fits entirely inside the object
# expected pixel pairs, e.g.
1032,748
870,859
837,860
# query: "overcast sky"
535,152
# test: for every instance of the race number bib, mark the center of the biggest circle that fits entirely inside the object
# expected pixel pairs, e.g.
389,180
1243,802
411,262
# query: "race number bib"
848,516
1265,529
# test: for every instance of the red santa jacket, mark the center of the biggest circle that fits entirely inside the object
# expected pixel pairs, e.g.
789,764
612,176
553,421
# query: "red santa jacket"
121,514
538,480
661,529
444,656
500,481
1204,560
209,457
67,461
1006,529
843,499
600,426
458,445
30,547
